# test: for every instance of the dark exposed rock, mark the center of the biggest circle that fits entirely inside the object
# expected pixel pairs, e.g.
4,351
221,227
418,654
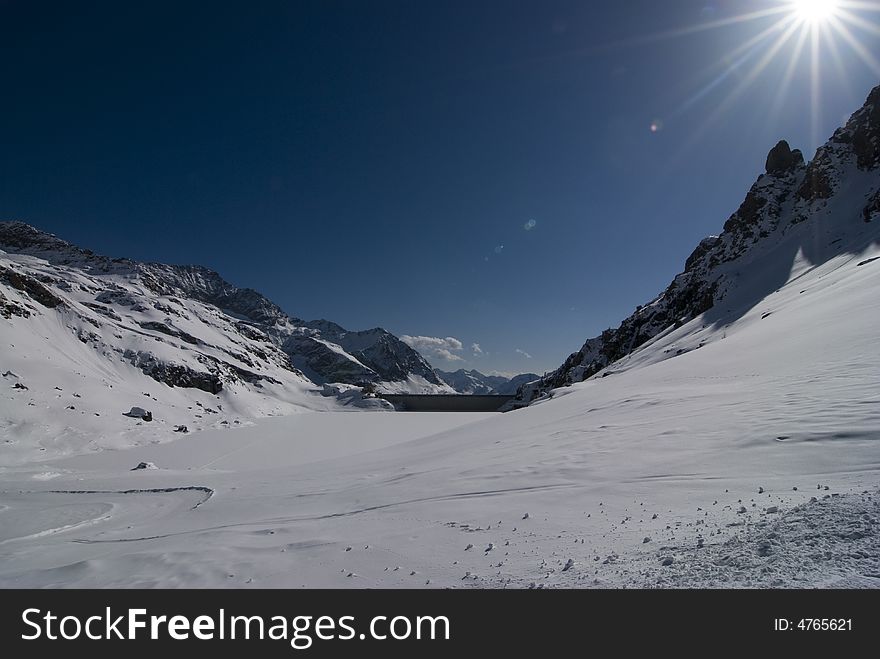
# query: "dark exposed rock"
174,375
863,132
8,308
817,181
104,311
156,326
705,246
747,214
253,333
34,289
782,159
120,297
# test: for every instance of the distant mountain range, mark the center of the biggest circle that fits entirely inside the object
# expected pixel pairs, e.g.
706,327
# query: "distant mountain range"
157,301
186,338
474,382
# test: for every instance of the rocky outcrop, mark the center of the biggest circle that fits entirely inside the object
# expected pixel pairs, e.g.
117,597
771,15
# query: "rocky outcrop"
174,375
157,326
862,132
31,287
10,308
782,159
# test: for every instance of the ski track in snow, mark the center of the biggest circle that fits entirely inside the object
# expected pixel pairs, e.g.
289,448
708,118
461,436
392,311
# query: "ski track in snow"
207,492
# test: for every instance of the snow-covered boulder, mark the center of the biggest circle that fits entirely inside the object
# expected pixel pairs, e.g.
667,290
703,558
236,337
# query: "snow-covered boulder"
139,413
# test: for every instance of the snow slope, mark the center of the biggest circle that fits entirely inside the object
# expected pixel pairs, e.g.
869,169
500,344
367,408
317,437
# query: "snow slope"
796,216
322,351
693,453
70,371
734,441
86,337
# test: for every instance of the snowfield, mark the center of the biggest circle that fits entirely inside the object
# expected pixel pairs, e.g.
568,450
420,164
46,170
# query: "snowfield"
738,452
726,434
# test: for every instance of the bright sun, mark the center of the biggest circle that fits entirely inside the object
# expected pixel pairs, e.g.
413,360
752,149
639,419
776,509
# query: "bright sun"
820,37
815,11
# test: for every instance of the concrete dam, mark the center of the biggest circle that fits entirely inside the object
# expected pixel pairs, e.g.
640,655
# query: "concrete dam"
446,402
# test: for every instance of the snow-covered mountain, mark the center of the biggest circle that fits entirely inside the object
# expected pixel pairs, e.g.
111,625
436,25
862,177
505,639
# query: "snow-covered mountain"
474,382
471,382
513,384
370,356
795,217
735,447
178,340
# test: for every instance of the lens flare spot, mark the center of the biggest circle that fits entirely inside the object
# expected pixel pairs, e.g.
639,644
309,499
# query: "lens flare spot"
531,224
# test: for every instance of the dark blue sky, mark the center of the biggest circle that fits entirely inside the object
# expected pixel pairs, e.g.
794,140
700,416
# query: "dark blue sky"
366,161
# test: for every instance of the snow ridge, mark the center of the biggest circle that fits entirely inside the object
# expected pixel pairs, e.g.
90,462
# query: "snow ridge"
796,216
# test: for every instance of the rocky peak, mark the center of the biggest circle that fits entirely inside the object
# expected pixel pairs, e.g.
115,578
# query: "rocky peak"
207,286
783,159
22,238
862,131
791,192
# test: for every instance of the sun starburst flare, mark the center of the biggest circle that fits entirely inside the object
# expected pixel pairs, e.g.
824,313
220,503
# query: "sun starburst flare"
814,12
812,31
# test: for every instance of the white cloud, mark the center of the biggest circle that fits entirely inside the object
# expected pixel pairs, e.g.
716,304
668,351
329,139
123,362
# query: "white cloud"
443,353
433,346
523,353
476,348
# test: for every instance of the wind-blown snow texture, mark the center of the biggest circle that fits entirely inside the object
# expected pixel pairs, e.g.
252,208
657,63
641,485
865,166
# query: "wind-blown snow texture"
739,447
